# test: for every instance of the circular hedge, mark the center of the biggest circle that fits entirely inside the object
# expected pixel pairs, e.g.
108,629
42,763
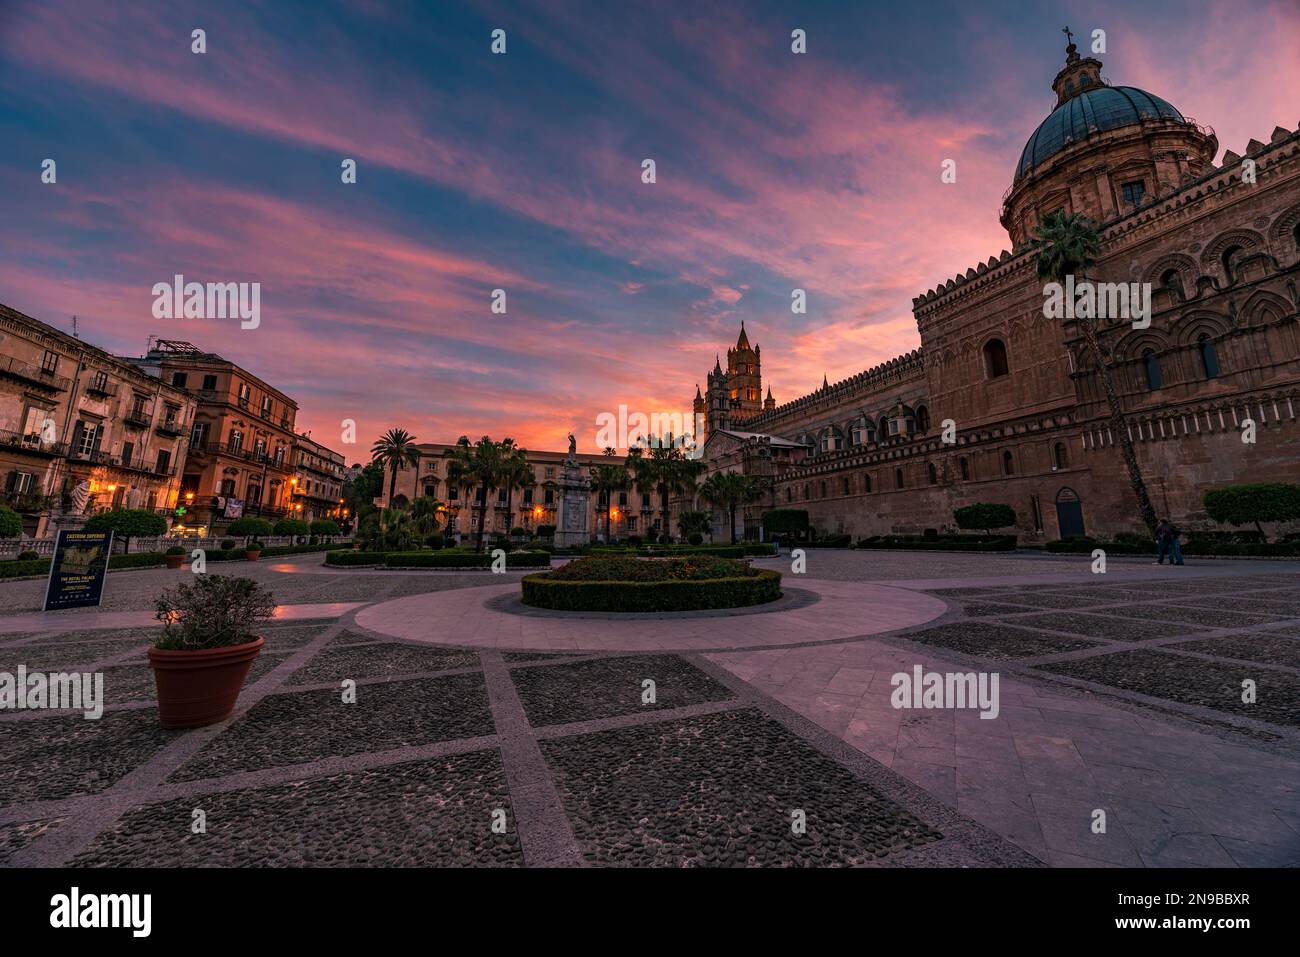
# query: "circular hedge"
640,585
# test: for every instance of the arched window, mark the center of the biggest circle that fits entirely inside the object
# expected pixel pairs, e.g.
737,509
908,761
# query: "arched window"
1008,463
1209,357
898,478
1295,234
789,495
805,492
823,489
844,485
884,428
922,419
1060,455
964,466
1173,280
1226,261
1152,366
866,482
933,473
995,359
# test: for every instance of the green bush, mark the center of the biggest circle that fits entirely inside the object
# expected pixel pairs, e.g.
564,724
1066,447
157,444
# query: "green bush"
449,558
635,541
985,515
28,556
944,543
128,523
324,528
349,557
213,611
25,567
250,526
1247,504
228,543
435,541
518,531
545,531
295,527
683,584
695,538
11,523
175,550
836,541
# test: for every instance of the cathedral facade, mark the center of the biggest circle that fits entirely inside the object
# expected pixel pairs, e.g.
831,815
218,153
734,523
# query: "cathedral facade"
1000,404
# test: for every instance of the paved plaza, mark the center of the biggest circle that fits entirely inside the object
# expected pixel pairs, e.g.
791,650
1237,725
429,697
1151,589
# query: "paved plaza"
484,733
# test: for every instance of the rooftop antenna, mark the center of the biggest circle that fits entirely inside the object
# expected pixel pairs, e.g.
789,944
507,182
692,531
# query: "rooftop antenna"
74,326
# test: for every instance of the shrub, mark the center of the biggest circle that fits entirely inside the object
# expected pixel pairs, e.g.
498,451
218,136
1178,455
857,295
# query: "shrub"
175,550
944,543
545,531
453,558
349,557
294,527
214,611
634,585
785,521
227,544
518,531
128,523
324,528
28,556
1245,504
634,541
985,515
11,523
250,527
695,538
435,541
24,567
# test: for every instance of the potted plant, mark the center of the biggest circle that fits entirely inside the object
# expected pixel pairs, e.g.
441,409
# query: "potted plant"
207,645
253,550
174,556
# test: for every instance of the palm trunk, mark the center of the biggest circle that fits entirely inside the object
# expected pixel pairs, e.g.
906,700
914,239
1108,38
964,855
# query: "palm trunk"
664,500
510,509
609,530
732,510
1119,425
482,519
392,487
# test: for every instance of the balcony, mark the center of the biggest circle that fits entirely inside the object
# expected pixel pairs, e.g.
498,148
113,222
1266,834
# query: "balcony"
33,375
109,460
29,444
241,452
169,427
102,389
139,418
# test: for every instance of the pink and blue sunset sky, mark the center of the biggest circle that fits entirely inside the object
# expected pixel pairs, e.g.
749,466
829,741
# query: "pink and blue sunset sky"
523,172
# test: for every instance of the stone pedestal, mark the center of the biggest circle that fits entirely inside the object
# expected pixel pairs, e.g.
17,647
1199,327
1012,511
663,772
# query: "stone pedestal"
574,487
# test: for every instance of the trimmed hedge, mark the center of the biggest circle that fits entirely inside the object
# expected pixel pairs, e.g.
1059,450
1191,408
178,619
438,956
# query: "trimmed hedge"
1207,548
446,559
951,543
541,591
742,550
350,557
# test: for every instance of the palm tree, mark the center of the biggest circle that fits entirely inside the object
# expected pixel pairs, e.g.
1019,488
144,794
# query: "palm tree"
478,467
1069,245
515,473
730,491
666,471
395,449
606,479
424,512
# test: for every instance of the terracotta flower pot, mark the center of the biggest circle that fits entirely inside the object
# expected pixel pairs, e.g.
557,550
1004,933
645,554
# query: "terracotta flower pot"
252,555
200,687
174,561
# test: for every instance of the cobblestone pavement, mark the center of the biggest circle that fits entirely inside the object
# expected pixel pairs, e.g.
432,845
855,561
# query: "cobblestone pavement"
1119,693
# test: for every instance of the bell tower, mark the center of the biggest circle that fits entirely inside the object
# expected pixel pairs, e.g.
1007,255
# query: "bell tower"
744,377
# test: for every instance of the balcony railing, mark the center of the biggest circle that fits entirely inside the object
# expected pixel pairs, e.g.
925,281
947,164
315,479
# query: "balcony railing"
103,389
139,418
34,374
169,427
101,457
30,443
238,451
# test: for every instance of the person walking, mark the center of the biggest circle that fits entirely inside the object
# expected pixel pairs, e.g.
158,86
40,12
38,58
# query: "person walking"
1163,528
1175,547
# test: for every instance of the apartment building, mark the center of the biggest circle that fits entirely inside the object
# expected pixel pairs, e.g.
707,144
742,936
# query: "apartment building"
317,484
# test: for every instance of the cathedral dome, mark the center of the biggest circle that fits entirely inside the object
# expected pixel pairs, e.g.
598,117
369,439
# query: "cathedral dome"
1086,114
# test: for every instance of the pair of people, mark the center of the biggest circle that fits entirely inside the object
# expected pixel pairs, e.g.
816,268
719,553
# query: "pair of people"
1167,543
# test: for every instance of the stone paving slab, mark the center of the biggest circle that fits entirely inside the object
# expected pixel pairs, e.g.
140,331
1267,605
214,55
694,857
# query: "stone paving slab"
997,642
293,728
435,813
